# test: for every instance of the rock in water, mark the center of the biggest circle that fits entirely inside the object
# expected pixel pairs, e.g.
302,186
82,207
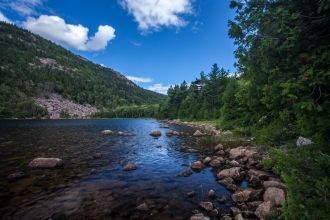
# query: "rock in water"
301,141
198,165
130,166
208,206
15,176
156,133
211,193
46,163
107,132
233,172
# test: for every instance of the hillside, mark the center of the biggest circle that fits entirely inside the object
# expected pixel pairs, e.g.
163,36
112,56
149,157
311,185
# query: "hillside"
32,68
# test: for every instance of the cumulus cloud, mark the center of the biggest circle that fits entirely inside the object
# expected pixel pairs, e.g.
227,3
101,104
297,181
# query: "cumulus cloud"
153,14
74,36
159,87
4,18
139,79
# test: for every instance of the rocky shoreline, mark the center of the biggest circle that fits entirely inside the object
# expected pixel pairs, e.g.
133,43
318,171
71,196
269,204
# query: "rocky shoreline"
265,192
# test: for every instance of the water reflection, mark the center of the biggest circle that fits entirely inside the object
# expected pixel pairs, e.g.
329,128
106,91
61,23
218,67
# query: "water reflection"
98,188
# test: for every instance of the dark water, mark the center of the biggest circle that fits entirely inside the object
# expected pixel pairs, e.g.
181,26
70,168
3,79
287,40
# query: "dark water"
87,188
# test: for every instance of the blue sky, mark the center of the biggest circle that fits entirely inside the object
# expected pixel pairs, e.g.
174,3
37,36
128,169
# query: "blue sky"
156,43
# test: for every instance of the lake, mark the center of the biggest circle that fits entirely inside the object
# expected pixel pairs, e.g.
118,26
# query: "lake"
98,188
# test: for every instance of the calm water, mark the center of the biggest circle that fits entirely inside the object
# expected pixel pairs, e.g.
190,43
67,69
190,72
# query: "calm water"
88,188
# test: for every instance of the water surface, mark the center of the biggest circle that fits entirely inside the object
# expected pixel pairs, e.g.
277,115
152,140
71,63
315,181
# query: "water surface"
89,188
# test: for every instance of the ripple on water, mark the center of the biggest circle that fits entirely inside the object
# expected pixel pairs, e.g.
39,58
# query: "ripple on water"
98,187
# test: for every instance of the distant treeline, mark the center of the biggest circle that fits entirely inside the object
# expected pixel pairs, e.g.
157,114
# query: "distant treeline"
134,111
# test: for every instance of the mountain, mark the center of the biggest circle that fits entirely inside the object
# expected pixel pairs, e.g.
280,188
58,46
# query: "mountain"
37,75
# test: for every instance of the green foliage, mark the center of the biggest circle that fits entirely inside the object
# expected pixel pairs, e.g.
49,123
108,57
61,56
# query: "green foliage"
31,66
305,172
134,111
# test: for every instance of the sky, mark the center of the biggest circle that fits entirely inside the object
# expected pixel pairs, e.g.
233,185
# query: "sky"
155,43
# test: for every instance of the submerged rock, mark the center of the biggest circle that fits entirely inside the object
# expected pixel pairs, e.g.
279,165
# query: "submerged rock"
211,193
46,163
198,165
156,133
16,176
130,166
191,194
143,207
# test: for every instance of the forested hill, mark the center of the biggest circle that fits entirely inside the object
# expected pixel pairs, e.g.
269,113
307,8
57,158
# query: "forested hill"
31,66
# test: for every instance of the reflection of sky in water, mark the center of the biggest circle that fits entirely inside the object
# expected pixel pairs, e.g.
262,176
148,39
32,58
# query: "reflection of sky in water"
159,162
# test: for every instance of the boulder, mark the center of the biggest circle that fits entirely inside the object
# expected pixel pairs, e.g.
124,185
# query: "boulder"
301,141
16,176
239,217
218,147
215,163
171,133
207,160
273,183
130,166
263,175
242,196
233,172
156,133
198,165
199,216
46,163
264,209
107,132
208,206
233,163
198,133
274,195
227,181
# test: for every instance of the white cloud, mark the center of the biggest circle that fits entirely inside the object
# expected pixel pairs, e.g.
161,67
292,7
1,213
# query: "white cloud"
159,87
153,14
23,7
139,79
4,18
57,30
136,44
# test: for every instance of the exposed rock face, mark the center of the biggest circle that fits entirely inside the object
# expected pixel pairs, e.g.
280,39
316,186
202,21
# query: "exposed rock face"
301,141
199,216
233,172
46,163
198,165
274,195
55,104
198,133
107,132
208,206
130,166
156,133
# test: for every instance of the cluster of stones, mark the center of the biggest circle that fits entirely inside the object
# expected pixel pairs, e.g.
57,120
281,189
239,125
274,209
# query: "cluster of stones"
264,195
203,129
